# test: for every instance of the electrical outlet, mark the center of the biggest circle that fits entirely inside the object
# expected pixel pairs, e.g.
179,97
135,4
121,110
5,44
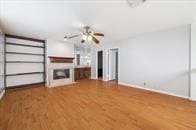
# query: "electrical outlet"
144,83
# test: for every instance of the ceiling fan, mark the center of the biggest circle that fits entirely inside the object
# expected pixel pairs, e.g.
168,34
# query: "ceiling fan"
87,35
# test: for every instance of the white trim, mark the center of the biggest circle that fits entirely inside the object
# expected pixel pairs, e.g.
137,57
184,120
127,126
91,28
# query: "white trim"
1,94
105,80
156,91
93,78
192,99
108,62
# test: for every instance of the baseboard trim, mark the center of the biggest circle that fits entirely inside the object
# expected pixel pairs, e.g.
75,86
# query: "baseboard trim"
192,99
153,90
94,78
2,93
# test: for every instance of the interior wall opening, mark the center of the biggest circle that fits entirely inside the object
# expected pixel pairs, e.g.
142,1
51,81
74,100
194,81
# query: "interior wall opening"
113,64
100,65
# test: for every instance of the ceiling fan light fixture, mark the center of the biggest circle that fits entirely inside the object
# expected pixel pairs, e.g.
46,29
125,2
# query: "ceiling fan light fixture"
89,38
84,37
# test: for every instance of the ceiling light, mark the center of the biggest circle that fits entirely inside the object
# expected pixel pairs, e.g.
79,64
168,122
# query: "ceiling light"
89,38
135,3
87,35
84,37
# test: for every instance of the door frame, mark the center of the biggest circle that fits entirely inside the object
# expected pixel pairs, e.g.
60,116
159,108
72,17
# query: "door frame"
108,62
97,64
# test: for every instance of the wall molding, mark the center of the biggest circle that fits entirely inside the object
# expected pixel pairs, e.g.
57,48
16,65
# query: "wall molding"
2,93
156,91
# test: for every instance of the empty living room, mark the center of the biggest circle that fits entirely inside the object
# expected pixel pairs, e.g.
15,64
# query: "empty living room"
97,64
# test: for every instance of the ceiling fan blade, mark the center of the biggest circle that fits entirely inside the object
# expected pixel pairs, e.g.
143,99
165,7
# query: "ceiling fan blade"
95,40
82,41
99,34
74,36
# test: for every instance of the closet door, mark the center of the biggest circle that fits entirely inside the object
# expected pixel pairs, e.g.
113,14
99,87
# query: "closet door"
25,61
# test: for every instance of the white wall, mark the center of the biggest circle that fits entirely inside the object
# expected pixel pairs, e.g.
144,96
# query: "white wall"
1,64
193,61
94,63
59,49
159,59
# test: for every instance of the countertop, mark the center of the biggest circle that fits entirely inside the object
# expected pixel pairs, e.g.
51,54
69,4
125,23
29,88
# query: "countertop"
82,66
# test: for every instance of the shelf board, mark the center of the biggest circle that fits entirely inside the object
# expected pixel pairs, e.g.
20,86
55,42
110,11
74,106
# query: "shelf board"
24,62
24,73
54,59
16,44
37,84
24,38
18,53
61,57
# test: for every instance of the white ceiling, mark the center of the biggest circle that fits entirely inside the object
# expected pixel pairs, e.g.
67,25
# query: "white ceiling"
56,18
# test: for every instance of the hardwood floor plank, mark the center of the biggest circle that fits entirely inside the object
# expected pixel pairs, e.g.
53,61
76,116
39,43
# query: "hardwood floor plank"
94,105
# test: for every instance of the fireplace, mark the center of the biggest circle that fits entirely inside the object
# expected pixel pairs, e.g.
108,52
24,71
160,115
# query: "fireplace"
60,71
61,74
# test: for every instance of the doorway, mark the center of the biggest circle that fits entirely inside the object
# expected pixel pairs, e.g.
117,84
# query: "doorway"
113,64
100,65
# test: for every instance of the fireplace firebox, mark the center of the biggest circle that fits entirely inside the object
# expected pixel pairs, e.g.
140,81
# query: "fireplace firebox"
61,74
